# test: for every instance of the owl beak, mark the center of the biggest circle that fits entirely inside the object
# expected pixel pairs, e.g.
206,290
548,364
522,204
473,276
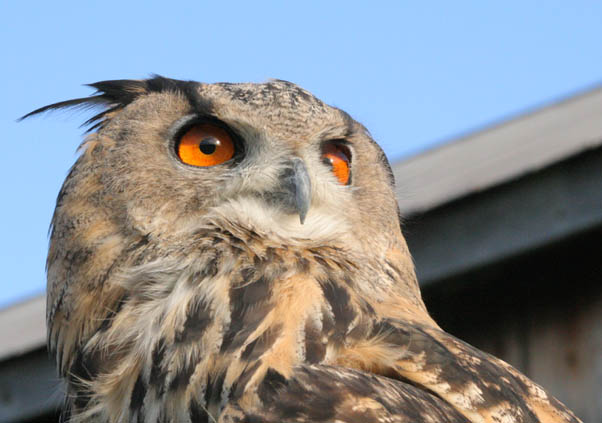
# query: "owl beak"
302,188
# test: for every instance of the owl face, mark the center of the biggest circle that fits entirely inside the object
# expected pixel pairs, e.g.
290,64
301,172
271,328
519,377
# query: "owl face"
268,157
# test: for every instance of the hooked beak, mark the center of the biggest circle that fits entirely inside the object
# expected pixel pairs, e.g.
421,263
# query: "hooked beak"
301,185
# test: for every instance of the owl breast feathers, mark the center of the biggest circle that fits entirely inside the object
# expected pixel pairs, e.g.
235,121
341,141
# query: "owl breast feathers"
233,253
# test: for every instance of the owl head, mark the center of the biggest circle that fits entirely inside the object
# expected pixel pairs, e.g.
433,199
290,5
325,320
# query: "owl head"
168,154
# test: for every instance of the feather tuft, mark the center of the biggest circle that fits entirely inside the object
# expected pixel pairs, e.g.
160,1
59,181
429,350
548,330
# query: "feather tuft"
114,95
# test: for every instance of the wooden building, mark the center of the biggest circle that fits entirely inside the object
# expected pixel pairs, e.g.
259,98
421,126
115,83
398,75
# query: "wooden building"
505,226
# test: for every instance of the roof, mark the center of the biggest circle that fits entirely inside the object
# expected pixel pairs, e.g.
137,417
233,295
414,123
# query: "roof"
500,153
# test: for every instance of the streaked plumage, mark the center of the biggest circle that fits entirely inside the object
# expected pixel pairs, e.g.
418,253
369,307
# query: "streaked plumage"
186,294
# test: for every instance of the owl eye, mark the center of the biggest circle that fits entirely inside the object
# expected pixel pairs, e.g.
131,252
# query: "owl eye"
205,145
338,157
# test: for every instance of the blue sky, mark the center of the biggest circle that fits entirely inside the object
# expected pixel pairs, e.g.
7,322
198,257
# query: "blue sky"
415,73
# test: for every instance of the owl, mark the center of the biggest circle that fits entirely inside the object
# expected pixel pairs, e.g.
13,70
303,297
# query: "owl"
233,253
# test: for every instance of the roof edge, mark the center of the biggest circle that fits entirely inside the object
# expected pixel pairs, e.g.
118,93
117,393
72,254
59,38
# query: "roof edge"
500,152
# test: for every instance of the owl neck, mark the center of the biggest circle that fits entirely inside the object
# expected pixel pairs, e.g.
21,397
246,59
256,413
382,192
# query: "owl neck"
216,315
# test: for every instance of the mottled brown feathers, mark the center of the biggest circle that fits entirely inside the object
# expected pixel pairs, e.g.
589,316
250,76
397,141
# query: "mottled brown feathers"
186,294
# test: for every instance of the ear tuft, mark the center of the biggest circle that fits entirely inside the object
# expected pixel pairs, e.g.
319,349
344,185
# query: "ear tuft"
112,96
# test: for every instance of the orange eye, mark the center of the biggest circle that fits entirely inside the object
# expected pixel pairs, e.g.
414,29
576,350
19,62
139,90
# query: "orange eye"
338,157
205,145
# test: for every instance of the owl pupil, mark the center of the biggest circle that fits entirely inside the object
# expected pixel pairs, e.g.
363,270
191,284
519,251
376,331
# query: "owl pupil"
208,145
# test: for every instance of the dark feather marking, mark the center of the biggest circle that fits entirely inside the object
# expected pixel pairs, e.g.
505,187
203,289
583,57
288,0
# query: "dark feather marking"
257,291
86,366
82,398
271,383
77,256
198,317
257,261
302,265
242,325
197,412
138,394
247,274
182,376
248,308
254,418
238,244
322,262
262,343
238,387
158,373
340,302
246,353
291,399
213,393
315,349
